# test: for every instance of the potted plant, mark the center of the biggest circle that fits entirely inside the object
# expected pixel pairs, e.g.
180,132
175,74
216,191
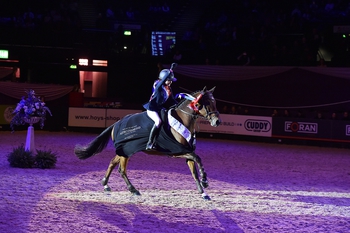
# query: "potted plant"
22,158
30,110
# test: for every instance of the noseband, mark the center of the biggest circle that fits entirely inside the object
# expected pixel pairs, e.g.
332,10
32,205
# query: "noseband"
209,114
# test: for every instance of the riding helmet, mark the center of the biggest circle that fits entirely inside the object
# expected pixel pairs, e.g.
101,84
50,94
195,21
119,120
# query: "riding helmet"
168,73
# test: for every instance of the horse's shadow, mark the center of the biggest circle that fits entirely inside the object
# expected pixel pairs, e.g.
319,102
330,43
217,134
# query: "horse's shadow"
130,217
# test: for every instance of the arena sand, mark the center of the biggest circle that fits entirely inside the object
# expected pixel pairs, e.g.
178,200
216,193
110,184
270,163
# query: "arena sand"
254,187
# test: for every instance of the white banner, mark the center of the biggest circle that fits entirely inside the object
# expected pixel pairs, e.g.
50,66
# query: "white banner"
87,117
113,115
96,117
240,125
231,124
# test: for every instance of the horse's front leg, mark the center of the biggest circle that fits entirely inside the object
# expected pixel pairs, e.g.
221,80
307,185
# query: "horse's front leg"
203,174
122,171
114,162
192,160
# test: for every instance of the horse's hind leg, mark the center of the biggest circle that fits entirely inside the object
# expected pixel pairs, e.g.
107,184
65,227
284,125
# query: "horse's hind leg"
122,170
191,164
114,162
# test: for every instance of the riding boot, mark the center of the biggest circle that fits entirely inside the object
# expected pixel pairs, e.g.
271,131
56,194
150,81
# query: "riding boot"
152,135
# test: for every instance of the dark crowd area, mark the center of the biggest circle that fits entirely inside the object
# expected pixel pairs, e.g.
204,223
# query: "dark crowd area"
226,32
271,33
220,32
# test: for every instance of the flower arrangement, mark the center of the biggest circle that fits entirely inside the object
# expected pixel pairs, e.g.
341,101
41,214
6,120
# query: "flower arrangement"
29,107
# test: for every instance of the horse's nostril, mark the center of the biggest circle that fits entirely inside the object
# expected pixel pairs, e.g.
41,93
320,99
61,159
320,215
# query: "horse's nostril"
218,122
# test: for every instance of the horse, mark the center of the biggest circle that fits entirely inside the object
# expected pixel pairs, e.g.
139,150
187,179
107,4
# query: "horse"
177,137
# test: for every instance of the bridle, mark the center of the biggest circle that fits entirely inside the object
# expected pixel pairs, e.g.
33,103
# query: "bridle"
195,112
209,114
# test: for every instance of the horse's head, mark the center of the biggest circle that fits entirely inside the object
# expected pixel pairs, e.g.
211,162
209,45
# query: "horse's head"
205,105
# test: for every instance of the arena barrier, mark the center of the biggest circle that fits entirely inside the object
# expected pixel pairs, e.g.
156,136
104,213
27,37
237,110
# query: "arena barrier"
279,128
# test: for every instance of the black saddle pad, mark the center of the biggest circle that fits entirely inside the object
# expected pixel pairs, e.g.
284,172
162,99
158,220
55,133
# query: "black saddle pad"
131,135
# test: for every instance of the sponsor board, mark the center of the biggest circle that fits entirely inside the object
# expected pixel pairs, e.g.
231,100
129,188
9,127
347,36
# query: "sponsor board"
301,127
94,117
240,125
113,115
231,124
87,117
341,130
347,130
6,114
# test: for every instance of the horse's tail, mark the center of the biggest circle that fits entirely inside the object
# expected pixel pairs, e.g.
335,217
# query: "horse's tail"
95,146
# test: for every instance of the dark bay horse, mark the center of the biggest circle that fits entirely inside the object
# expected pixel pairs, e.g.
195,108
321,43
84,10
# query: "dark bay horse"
176,137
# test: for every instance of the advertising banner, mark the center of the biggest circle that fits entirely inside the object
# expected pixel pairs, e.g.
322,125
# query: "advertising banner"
96,117
6,114
113,115
340,130
301,128
240,125
87,117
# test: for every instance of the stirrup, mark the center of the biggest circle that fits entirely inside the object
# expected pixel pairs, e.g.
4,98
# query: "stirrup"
150,146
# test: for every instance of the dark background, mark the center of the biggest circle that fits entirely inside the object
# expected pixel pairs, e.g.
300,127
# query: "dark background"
275,33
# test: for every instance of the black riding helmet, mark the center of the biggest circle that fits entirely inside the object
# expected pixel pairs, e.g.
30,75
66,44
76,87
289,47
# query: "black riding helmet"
168,73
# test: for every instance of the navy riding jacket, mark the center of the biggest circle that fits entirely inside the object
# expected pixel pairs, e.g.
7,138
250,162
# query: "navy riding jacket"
161,98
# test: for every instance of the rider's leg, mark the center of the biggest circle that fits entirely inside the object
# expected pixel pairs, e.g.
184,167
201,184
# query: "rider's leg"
155,129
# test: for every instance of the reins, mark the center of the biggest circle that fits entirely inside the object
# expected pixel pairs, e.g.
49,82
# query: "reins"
194,100
195,116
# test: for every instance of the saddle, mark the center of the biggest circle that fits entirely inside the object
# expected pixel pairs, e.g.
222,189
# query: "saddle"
132,131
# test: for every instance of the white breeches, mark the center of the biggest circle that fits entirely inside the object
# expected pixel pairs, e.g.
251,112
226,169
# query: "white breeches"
155,117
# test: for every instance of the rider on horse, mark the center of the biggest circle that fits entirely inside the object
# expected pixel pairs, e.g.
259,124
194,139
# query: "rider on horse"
161,98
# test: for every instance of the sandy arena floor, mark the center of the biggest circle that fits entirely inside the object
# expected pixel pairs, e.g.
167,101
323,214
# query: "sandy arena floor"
255,187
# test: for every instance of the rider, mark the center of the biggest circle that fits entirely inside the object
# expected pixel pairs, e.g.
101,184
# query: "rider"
161,98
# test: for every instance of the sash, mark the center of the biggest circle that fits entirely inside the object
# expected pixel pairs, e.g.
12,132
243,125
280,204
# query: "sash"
179,127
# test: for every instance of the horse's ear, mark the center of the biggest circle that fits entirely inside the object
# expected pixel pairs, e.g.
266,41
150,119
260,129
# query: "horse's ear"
204,89
212,90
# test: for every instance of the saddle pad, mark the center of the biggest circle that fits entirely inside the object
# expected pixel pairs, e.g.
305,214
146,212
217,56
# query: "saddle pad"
131,135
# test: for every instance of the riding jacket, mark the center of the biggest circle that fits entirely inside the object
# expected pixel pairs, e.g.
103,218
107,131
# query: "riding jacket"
161,98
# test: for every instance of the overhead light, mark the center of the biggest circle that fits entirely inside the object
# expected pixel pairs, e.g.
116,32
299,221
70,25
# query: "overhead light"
4,54
83,62
99,62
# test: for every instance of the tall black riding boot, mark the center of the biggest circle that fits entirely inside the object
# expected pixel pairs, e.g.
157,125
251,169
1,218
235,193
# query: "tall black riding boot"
152,135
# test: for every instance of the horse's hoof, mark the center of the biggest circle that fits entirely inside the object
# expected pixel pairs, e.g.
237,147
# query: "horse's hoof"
107,188
136,193
205,197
